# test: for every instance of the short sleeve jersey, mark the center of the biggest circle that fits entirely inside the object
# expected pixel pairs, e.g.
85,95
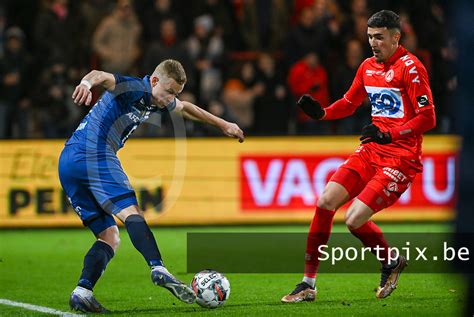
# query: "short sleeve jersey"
397,90
117,114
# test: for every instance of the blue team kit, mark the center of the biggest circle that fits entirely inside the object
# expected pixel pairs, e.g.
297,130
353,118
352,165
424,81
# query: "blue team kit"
89,170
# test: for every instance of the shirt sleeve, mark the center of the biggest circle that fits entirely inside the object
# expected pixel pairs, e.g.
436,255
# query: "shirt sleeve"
356,93
418,87
422,122
352,99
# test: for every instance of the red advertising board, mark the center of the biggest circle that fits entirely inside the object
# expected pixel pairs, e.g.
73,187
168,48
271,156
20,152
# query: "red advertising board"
285,182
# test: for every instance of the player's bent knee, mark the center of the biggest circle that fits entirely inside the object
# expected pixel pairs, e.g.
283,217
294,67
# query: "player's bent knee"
111,237
127,212
354,220
326,202
352,223
333,197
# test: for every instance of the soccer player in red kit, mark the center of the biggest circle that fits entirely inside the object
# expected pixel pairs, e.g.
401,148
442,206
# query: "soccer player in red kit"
387,160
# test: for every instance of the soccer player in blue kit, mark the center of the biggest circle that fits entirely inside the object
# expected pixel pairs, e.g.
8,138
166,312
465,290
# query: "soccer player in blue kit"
95,182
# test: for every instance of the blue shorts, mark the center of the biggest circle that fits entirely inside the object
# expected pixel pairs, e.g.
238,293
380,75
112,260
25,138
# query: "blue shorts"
95,184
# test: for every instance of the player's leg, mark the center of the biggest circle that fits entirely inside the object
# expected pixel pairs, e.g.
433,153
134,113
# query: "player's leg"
112,190
357,219
95,263
144,241
334,196
72,172
140,234
372,199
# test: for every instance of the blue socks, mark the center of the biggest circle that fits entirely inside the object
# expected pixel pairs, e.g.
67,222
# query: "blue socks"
101,253
95,262
143,239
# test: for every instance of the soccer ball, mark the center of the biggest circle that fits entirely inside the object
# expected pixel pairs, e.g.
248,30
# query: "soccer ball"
212,288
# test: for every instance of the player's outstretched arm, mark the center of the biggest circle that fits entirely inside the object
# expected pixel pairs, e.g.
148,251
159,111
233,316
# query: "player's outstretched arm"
193,112
82,93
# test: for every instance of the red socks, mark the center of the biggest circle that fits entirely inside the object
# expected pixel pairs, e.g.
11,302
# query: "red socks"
319,233
371,236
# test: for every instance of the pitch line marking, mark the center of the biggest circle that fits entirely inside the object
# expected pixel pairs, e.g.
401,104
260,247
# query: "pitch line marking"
40,309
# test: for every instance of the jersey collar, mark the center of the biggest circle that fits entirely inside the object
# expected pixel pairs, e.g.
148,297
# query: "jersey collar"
399,52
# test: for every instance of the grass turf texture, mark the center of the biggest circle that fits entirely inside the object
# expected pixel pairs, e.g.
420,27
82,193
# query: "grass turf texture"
41,267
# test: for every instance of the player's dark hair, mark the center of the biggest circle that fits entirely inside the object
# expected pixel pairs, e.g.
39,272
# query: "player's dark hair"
384,18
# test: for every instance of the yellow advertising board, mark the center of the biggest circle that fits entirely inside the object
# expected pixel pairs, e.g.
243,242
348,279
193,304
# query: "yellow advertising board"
218,181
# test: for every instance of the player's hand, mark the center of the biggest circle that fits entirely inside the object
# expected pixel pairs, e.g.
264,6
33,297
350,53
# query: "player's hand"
82,95
372,133
311,107
232,130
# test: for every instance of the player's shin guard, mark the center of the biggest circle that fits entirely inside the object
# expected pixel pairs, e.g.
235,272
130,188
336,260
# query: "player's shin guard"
371,236
143,239
95,263
318,235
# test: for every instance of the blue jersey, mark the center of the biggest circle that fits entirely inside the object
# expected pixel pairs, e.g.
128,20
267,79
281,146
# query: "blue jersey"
117,114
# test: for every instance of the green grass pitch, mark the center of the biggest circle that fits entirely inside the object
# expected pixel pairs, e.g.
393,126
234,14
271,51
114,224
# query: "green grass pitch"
41,267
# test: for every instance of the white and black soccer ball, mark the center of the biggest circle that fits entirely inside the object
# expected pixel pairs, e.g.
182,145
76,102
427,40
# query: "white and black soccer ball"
212,288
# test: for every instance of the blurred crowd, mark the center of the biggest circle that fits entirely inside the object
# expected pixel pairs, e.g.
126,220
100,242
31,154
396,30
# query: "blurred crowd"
247,61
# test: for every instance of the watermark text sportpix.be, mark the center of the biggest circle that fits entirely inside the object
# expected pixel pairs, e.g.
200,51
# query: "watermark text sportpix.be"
337,254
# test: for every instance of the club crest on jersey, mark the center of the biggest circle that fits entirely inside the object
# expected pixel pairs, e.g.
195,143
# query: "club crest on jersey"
386,102
389,76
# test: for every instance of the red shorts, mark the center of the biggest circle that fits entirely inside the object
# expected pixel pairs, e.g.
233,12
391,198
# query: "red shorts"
376,180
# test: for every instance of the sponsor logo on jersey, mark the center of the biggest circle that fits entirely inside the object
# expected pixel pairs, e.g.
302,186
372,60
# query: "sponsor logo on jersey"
132,116
422,100
394,174
386,102
369,72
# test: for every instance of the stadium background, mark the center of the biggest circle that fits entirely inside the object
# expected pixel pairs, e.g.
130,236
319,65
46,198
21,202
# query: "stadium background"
244,60
247,61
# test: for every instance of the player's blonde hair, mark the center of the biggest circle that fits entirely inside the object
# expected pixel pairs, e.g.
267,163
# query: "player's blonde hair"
172,69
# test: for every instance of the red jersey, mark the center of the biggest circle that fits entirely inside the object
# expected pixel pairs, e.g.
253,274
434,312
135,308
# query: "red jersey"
398,91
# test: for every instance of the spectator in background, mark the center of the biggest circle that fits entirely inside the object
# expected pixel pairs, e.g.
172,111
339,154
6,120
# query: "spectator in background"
116,40
14,68
93,12
304,37
308,76
359,8
357,24
154,16
206,50
359,31
264,24
53,101
338,27
298,6
239,94
167,46
410,42
55,26
340,83
271,108
224,19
